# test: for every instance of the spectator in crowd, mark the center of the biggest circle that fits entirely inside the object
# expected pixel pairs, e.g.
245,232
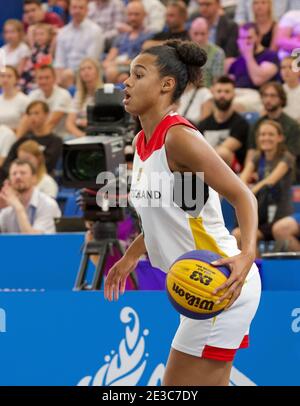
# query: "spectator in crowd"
34,13
41,54
193,102
126,46
244,10
58,99
272,171
89,79
225,130
15,49
214,67
32,152
25,209
265,23
176,18
60,7
256,65
7,139
80,39
155,15
222,31
38,112
13,102
288,37
291,87
108,14
274,101
286,233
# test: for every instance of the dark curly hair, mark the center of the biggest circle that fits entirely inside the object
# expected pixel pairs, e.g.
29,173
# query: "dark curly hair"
182,60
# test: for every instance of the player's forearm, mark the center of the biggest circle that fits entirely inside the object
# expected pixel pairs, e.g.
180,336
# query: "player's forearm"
136,249
246,212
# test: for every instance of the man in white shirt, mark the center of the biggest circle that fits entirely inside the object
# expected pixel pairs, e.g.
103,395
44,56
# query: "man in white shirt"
25,210
58,99
79,39
291,86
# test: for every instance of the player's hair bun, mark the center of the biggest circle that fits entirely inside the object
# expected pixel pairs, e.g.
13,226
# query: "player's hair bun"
192,55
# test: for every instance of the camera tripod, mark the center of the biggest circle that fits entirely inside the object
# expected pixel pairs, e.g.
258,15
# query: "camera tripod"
102,248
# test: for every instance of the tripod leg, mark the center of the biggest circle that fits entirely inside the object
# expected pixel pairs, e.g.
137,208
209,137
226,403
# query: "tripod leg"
99,272
80,279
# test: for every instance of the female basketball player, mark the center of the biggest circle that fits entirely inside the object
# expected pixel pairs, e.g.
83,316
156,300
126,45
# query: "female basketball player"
202,350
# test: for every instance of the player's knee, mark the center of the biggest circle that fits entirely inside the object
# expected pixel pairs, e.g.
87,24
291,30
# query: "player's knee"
283,228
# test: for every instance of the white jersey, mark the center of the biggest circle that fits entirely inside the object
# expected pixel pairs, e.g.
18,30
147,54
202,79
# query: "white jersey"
169,230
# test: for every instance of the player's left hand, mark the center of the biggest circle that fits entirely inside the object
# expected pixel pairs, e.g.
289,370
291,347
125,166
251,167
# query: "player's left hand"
239,266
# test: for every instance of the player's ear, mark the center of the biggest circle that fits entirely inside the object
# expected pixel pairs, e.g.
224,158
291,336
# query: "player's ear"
168,84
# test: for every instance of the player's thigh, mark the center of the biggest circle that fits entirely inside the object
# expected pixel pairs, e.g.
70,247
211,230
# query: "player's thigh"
187,370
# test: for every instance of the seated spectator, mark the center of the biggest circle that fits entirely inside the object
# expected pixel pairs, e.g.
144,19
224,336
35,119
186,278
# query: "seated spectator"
225,130
222,31
25,209
291,87
81,38
256,65
13,102
155,15
272,170
89,79
286,233
7,139
108,14
274,100
15,49
126,46
58,99
214,67
38,112
61,8
32,152
265,23
244,10
288,37
176,18
34,13
40,54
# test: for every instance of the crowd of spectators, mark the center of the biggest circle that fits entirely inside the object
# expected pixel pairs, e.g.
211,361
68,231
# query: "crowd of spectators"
247,107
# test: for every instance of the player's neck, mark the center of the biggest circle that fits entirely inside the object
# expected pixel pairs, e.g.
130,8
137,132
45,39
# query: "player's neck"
151,119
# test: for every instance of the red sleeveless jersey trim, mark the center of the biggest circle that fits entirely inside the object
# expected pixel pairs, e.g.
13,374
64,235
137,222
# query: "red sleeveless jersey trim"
157,140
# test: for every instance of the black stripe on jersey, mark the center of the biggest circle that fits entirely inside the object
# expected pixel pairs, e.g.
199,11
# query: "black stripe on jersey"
190,193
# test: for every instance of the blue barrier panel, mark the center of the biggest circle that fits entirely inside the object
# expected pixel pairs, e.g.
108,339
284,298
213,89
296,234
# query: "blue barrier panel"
40,262
67,338
281,274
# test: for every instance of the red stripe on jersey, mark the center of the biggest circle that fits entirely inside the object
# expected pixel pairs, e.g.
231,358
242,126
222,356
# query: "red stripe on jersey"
157,140
223,354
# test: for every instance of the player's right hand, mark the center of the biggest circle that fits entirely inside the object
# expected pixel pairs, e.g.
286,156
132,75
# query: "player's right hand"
115,282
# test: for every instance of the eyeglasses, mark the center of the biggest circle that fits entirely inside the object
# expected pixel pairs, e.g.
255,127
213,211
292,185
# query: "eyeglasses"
270,95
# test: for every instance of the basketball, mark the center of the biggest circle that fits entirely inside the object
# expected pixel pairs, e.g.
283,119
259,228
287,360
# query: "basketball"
192,280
